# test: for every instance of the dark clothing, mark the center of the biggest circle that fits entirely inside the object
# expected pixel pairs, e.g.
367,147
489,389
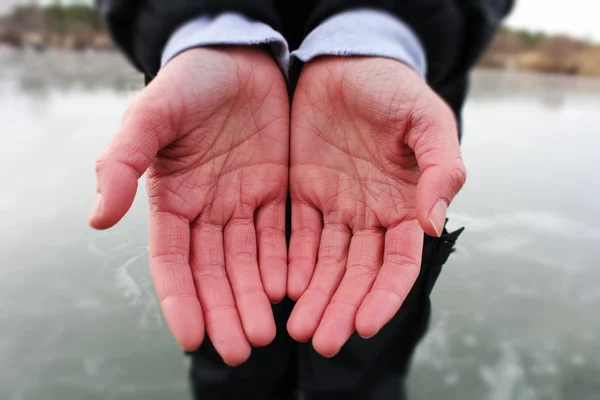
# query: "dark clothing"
454,33
365,369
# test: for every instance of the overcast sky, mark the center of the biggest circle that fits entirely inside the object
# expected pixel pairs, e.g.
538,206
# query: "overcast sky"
579,18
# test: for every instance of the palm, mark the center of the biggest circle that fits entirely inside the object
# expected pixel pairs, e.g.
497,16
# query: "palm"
357,171
356,242
216,189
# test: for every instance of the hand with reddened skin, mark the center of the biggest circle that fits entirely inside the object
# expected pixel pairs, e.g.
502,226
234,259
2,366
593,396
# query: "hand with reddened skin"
375,161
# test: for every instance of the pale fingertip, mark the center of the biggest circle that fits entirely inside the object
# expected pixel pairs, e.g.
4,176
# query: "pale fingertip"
307,227
369,336
327,352
234,359
331,355
257,318
365,327
276,292
98,205
95,219
367,324
366,330
298,332
190,342
261,336
185,320
229,339
325,344
306,316
295,288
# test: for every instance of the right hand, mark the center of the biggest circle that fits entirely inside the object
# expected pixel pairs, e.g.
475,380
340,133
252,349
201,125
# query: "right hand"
212,131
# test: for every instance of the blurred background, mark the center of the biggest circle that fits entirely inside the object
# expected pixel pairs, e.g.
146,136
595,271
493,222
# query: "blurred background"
516,310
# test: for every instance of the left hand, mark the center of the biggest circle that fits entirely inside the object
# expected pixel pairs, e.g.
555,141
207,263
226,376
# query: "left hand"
375,161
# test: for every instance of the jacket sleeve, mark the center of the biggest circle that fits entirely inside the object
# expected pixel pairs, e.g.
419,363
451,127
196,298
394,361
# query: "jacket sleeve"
454,33
141,28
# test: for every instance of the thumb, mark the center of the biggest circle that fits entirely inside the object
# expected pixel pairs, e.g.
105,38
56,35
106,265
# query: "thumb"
443,173
147,126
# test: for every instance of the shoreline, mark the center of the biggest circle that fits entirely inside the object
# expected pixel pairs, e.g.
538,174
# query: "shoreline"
508,64
79,27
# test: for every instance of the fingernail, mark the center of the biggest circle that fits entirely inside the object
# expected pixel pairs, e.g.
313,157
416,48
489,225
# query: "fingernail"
437,216
97,208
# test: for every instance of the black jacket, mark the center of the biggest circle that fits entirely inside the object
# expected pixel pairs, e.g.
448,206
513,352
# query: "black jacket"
453,32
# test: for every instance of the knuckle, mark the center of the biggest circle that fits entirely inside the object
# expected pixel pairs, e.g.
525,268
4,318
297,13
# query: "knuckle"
214,312
400,262
166,297
304,232
458,174
362,269
445,113
244,290
301,260
150,114
435,116
329,267
317,292
145,104
401,280
100,164
332,255
271,233
168,281
342,306
209,272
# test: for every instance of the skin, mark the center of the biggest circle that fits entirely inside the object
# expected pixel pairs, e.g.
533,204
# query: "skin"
216,157
373,163
375,160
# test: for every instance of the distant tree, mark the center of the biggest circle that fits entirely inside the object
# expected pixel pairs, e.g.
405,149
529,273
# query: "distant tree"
64,17
28,18
559,47
586,43
507,41
531,39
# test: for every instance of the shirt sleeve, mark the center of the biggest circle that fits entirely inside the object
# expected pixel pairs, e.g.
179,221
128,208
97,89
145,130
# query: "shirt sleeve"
364,32
361,32
227,29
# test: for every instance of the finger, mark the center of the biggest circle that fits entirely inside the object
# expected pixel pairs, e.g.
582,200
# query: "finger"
338,322
272,252
221,316
333,252
400,269
242,269
170,271
307,224
443,173
146,127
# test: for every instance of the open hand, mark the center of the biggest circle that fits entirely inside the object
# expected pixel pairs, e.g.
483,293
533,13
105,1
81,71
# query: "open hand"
375,161
212,131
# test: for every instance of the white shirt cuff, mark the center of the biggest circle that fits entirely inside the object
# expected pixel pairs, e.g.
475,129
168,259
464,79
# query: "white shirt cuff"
364,32
227,29
361,32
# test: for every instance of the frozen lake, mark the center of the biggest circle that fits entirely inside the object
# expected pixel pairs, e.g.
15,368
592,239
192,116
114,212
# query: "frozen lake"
516,309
